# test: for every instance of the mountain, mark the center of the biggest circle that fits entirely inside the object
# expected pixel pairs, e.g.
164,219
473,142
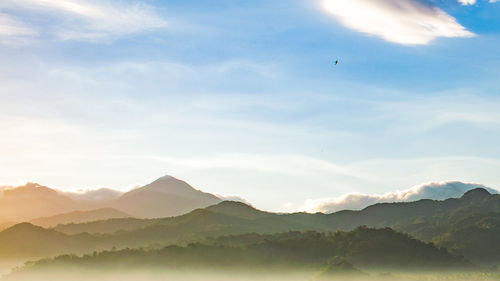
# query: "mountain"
223,218
238,209
446,223
79,217
33,200
165,197
26,241
469,225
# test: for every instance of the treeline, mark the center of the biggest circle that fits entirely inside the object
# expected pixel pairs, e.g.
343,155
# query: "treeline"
364,248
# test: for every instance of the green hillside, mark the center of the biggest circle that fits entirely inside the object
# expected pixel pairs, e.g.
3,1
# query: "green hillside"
365,248
466,226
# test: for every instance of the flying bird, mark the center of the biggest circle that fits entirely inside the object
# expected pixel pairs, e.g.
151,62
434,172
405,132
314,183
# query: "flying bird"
336,62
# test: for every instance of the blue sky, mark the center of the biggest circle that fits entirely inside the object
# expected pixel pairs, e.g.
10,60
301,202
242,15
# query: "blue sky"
242,97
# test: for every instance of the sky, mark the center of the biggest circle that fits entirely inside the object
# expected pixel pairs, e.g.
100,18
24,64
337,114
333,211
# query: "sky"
243,97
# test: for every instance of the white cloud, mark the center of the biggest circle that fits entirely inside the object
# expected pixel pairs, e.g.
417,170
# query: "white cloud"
408,22
472,2
467,2
89,20
356,201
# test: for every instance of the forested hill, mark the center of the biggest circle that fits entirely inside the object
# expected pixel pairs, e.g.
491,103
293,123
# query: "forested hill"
468,226
364,248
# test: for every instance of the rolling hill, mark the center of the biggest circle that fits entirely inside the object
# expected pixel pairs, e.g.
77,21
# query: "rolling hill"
440,222
79,217
363,247
26,241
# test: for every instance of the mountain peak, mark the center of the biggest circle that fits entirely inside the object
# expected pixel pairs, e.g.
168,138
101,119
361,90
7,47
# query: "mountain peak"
165,177
238,209
169,184
30,188
232,204
24,226
164,197
476,194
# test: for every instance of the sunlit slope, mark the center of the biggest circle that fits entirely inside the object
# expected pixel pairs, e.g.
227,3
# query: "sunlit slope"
32,200
167,196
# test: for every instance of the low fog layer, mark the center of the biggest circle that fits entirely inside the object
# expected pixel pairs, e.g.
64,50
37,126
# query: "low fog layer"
284,275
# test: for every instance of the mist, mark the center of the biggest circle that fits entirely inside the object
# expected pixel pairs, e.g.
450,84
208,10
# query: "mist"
283,274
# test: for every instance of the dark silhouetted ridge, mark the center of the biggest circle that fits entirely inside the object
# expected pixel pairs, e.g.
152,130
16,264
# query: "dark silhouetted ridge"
238,209
476,194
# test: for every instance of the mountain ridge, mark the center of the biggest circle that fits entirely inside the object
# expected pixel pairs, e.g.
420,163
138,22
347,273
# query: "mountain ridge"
166,196
79,217
423,219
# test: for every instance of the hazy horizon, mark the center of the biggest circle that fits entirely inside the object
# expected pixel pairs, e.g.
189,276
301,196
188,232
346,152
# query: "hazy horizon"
348,201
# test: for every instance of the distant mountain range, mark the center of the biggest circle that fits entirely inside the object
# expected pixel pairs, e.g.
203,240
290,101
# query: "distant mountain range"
169,211
469,226
168,196
164,197
32,200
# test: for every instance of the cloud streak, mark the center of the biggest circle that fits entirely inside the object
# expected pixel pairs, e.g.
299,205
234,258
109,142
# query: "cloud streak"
407,22
10,26
356,201
472,2
86,20
14,32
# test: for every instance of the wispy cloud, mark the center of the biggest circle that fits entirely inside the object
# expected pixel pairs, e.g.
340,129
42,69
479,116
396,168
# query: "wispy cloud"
10,26
88,20
408,22
356,201
13,31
